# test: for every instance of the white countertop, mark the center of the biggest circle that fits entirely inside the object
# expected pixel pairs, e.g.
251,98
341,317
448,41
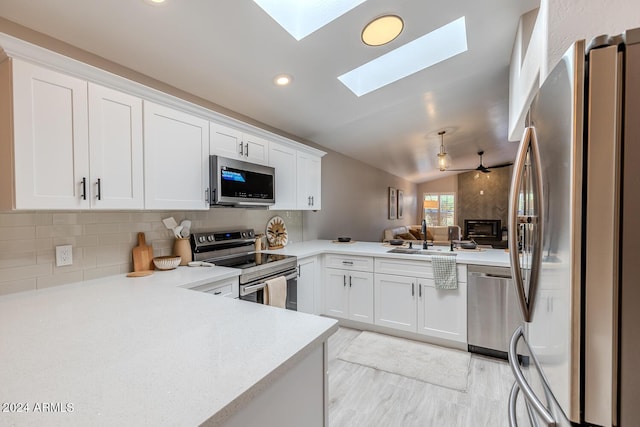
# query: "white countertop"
493,257
144,351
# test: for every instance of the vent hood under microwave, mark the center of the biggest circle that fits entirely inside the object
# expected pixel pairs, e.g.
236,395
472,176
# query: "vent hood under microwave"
237,183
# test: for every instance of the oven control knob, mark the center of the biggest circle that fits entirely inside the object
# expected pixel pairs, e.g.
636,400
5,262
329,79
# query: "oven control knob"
244,234
210,238
201,239
250,233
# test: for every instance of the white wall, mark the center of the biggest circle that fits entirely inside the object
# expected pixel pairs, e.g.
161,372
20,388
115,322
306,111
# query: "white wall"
355,201
447,184
558,24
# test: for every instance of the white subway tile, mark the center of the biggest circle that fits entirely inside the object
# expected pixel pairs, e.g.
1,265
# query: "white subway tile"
25,272
58,279
17,286
96,273
17,233
16,259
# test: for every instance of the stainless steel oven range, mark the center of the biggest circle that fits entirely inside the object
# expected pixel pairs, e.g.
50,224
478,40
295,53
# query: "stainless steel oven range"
234,249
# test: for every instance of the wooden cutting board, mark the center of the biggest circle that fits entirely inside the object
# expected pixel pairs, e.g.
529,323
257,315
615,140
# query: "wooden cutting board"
142,255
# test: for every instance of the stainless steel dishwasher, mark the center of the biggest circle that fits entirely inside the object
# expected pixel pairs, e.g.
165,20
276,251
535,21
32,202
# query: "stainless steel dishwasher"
492,310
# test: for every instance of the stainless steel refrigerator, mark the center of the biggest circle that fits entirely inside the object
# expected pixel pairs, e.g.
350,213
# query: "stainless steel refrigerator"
574,242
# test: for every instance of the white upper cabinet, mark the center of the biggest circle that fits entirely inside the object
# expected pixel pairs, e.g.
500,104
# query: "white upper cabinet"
283,159
235,144
176,159
115,139
76,145
309,174
50,138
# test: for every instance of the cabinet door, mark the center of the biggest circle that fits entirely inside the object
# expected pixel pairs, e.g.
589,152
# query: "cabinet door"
442,313
283,159
176,159
51,146
395,301
360,296
336,293
115,139
226,142
306,285
308,181
256,149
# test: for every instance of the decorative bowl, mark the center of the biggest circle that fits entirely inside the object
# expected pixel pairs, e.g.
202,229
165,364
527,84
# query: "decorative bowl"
167,262
344,239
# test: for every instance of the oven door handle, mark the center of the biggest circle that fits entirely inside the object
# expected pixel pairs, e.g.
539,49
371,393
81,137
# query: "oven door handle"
254,288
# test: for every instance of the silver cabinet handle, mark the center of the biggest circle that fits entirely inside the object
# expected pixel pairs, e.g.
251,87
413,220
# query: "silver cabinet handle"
347,262
246,149
350,281
254,288
241,148
521,381
312,201
528,146
206,195
309,201
217,292
420,290
344,280
99,196
413,290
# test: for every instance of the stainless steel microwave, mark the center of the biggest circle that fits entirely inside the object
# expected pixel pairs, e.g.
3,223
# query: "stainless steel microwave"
237,183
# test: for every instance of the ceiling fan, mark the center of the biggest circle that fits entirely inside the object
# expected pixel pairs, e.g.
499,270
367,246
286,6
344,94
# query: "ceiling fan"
482,168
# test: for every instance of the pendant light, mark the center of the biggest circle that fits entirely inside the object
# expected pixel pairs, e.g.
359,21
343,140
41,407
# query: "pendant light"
443,157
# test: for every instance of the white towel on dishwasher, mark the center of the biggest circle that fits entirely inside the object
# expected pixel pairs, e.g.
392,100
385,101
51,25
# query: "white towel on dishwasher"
275,292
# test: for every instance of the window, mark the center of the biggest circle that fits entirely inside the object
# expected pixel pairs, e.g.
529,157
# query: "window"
439,208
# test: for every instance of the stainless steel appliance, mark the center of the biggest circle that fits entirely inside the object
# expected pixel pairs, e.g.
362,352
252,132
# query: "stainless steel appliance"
234,249
479,229
573,212
493,312
237,183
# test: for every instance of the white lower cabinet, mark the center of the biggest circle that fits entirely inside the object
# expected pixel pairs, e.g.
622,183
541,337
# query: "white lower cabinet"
395,302
224,288
412,303
307,274
349,294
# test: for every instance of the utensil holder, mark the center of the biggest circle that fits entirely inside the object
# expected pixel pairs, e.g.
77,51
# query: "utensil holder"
182,248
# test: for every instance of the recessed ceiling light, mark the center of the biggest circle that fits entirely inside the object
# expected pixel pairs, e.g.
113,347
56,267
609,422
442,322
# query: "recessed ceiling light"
155,2
382,30
282,79
302,17
430,49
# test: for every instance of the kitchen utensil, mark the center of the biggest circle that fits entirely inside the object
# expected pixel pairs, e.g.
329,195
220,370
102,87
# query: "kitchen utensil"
177,230
186,228
142,255
170,223
168,262
140,273
200,264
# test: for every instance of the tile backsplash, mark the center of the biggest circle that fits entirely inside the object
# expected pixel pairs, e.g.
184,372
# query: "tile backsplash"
102,241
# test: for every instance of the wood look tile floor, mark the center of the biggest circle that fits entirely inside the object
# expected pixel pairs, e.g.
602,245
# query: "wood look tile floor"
360,396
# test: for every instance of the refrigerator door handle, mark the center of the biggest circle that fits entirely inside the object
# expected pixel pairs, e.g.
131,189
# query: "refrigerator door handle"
522,383
528,145
513,400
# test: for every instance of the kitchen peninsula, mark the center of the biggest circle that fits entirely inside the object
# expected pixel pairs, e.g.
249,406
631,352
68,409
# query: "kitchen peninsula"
146,351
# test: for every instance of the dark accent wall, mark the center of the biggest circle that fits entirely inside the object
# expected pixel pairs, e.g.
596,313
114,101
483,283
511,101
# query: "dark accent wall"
484,195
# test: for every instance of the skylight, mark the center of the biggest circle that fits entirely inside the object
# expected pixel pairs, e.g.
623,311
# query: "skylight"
430,49
302,17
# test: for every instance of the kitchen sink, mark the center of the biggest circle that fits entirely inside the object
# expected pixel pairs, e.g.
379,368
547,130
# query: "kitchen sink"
418,251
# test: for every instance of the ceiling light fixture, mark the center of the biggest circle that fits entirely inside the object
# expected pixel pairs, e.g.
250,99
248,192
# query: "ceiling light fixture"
430,49
382,30
443,157
155,2
282,80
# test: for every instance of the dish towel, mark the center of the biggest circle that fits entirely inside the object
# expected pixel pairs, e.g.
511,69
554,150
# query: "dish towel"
445,271
275,292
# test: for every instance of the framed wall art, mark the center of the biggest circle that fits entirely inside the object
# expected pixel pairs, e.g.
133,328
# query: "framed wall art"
393,203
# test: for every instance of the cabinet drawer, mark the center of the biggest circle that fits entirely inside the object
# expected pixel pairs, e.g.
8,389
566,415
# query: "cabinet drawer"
402,267
413,268
345,262
224,288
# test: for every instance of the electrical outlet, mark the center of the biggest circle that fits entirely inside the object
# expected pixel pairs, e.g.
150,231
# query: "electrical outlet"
64,255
